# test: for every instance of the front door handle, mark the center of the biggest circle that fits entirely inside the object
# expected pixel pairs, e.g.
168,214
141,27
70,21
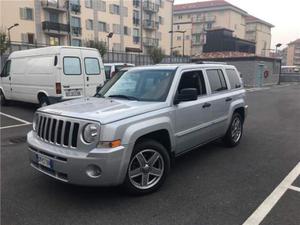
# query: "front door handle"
228,99
206,105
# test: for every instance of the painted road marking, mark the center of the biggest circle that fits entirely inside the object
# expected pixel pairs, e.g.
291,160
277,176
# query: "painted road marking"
15,118
18,125
294,188
265,207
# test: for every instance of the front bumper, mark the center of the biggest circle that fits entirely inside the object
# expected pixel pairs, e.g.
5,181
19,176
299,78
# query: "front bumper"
70,165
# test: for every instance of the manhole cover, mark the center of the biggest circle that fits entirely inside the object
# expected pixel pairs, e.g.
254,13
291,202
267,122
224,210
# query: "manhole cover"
17,140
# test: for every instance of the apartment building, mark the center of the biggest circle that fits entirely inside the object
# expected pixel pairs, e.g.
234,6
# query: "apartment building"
259,31
293,53
197,18
136,25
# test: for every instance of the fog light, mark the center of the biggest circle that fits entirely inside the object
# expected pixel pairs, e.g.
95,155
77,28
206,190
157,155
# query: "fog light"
93,171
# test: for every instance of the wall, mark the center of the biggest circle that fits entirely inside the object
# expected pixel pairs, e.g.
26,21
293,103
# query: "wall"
295,77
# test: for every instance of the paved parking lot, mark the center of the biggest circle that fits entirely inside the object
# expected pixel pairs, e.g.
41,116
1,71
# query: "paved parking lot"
256,183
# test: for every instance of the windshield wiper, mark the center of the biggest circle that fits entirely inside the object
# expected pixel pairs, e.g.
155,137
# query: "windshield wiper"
124,96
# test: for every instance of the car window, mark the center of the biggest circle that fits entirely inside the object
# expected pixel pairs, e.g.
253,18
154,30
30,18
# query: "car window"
92,66
193,79
107,72
72,66
234,79
6,69
216,80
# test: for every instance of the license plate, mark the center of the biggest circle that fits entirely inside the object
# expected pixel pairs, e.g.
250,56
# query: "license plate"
71,93
44,161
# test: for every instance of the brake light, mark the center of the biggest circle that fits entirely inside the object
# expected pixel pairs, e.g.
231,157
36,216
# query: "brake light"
58,88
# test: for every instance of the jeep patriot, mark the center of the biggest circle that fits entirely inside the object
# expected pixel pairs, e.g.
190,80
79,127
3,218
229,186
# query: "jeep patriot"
129,132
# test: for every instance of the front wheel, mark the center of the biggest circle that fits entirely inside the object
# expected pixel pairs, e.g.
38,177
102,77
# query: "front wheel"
43,101
3,100
235,131
148,167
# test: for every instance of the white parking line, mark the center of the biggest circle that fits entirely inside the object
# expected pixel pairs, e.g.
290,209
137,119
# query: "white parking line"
294,188
265,207
18,125
15,118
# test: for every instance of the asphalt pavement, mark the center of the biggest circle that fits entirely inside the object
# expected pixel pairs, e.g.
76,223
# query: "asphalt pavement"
212,185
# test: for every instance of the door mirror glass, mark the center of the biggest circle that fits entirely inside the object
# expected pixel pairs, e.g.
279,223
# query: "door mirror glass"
185,95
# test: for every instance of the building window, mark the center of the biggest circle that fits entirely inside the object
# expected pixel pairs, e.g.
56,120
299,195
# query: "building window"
116,28
102,6
75,22
136,18
187,37
209,26
178,38
126,30
53,40
180,17
76,42
178,27
136,3
89,24
114,9
103,27
136,35
27,38
53,17
26,13
89,3
161,20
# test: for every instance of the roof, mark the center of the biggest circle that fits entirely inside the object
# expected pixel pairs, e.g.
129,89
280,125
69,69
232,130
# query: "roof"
179,66
253,19
295,42
206,5
44,51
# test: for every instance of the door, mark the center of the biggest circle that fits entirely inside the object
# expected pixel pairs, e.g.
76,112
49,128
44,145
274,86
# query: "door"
6,80
94,74
193,117
72,75
259,75
220,100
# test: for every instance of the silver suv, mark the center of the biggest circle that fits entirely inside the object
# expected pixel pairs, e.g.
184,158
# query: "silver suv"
136,124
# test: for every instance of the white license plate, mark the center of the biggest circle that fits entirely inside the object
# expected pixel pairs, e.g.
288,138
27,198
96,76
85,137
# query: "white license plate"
72,93
44,161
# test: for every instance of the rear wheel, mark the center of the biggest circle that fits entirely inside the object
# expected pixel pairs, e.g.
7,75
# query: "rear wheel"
43,101
235,131
148,168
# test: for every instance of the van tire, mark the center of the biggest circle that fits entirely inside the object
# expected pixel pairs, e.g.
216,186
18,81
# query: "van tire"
3,101
43,101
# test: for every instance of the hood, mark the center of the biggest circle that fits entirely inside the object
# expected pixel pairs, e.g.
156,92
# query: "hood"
104,110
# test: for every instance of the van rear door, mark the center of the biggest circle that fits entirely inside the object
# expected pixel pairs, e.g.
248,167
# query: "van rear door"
93,71
72,75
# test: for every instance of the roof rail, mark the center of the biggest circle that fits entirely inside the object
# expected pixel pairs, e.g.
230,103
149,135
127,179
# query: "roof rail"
211,62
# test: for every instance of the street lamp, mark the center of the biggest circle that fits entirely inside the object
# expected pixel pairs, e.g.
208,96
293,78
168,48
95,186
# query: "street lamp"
109,36
277,46
8,31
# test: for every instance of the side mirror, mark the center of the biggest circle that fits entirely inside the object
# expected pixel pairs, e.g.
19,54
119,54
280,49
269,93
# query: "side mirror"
185,95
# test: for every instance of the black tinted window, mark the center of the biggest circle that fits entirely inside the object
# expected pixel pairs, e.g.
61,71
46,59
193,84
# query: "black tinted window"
216,80
234,79
193,79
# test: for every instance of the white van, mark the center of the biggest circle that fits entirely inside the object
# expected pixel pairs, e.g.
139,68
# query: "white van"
51,74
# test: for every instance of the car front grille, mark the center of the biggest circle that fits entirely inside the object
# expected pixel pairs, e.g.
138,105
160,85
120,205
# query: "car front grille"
58,131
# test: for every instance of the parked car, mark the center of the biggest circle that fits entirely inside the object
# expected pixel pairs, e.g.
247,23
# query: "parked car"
112,68
136,124
51,74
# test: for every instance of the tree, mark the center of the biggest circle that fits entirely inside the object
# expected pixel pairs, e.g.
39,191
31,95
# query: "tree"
156,54
100,45
4,44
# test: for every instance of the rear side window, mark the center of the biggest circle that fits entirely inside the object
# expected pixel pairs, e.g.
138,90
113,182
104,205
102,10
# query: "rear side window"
234,79
92,66
216,80
72,66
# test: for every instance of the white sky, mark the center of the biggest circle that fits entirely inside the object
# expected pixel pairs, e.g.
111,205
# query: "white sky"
284,15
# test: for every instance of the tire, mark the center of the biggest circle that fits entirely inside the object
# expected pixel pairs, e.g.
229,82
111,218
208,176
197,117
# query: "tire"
143,176
43,101
3,101
234,133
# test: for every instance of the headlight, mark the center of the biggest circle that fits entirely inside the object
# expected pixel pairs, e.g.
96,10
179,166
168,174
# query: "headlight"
90,132
34,122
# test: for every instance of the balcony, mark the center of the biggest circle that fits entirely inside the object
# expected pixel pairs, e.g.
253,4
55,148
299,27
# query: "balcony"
150,24
75,8
150,6
53,6
204,19
76,31
136,21
150,42
55,28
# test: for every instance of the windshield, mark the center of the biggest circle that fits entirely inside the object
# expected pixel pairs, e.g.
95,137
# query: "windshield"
142,85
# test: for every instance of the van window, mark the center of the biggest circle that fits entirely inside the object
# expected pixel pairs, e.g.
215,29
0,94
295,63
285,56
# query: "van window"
216,80
234,79
107,72
92,66
72,66
6,69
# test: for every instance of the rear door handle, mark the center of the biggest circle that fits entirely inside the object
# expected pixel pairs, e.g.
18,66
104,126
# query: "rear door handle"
228,99
206,105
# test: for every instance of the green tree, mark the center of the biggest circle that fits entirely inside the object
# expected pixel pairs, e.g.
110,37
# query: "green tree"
156,54
100,45
4,44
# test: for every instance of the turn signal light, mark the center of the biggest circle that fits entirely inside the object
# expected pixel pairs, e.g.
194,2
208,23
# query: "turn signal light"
109,144
58,88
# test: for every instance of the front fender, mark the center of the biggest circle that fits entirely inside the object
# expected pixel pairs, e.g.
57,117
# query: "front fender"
240,103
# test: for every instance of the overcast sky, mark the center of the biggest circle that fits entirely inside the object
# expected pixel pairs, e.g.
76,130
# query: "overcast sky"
284,15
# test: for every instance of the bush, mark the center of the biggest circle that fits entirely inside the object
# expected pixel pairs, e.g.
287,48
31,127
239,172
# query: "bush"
156,54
